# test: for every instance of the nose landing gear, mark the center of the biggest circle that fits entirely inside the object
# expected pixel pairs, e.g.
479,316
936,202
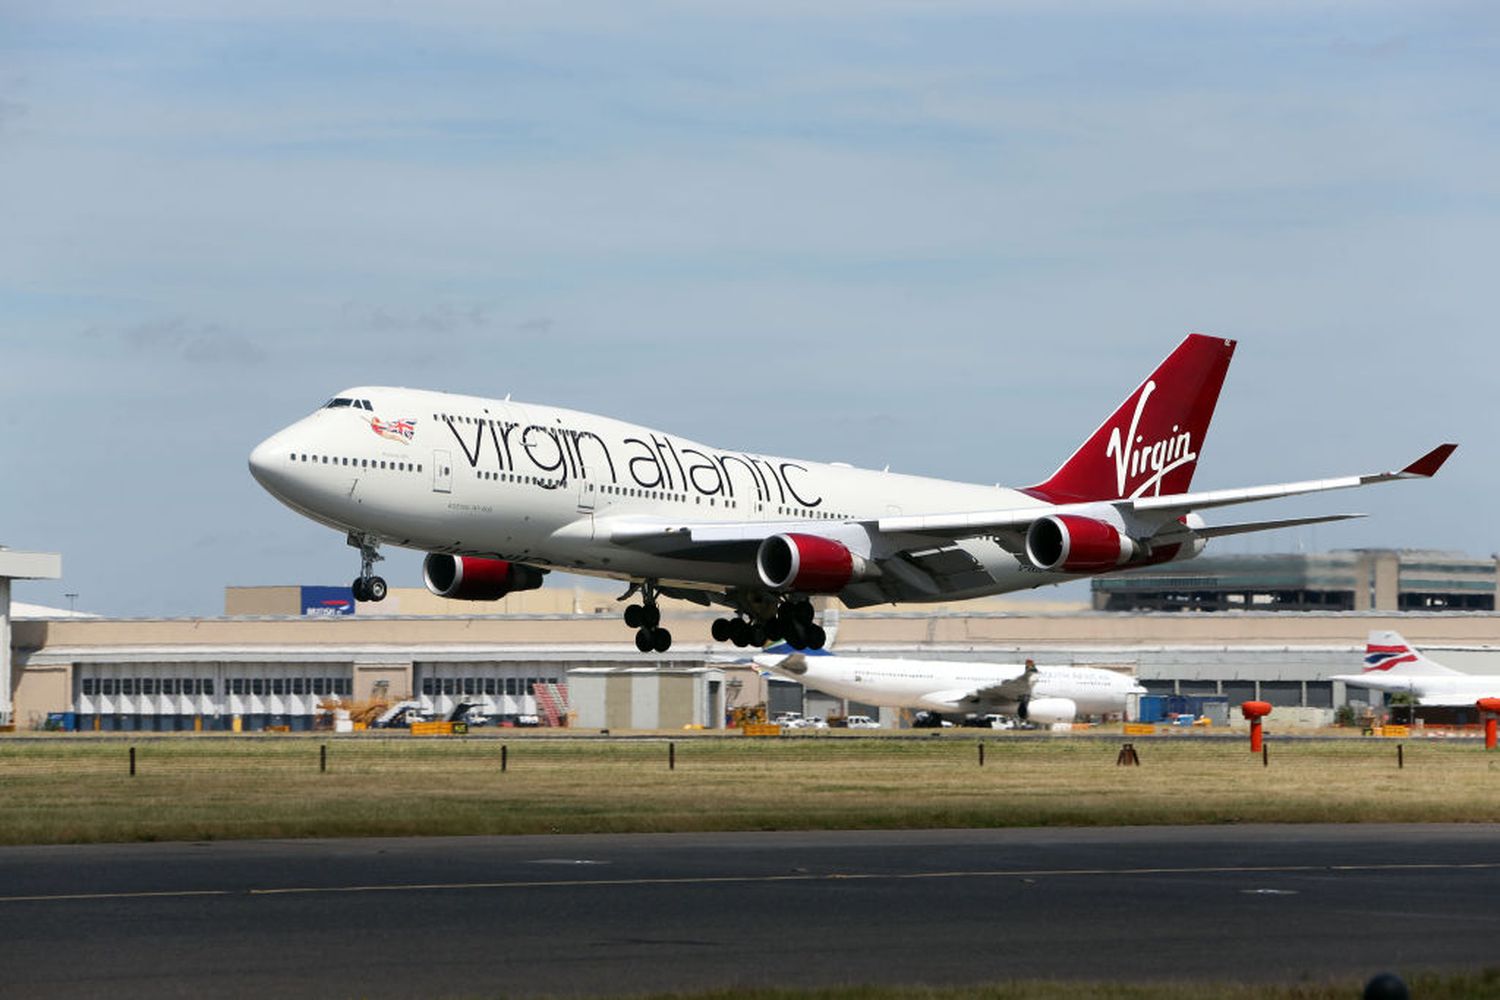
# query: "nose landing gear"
645,618
367,586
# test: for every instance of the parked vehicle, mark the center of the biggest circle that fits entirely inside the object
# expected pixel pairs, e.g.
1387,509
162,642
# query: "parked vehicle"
861,722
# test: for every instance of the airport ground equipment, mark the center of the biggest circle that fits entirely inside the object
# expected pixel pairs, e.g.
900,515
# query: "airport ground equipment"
1489,709
1255,711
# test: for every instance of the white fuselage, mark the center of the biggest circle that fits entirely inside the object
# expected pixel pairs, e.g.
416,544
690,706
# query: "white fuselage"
948,686
1431,689
551,487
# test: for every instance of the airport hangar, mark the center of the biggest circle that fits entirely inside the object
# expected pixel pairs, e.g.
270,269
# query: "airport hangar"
564,654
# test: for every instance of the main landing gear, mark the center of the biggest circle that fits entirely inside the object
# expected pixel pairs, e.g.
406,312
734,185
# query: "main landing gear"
367,586
645,618
791,621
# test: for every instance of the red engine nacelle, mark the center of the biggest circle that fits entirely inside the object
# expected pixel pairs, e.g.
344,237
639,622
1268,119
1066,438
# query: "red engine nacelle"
470,578
1072,544
807,563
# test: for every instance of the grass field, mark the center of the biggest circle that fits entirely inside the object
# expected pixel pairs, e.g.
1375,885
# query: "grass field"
77,790
72,789
1483,985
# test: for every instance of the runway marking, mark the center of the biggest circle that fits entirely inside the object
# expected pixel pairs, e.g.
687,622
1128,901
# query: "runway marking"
1021,873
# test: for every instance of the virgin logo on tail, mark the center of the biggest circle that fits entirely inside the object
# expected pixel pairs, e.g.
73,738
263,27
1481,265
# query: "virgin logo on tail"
1133,457
1386,657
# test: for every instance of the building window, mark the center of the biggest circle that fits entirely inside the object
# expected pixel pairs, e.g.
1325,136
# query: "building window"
427,686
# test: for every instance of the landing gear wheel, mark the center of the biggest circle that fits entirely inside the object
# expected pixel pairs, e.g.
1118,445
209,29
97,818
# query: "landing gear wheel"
757,635
720,629
644,640
796,634
367,586
802,611
816,637
635,616
739,631
661,640
650,616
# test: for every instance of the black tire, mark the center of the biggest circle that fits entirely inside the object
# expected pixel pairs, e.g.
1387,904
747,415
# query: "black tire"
375,589
720,630
633,616
775,630
796,635
739,631
803,610
644,641
816,637
757,635
360,593
650,616
661,640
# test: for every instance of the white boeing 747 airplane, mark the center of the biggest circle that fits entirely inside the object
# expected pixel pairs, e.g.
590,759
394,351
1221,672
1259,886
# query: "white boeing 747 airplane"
498,492
1392,666
1038,694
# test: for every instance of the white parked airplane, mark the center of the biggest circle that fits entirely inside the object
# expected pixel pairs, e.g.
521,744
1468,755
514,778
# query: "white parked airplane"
498,492
1391,665
1039,694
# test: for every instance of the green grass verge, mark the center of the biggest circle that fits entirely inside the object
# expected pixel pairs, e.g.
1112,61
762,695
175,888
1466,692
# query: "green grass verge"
1427,986
76,790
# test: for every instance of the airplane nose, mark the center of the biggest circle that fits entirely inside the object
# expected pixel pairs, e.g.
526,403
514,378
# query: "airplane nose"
268,463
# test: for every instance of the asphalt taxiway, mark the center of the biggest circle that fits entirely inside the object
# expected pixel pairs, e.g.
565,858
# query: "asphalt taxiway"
610,915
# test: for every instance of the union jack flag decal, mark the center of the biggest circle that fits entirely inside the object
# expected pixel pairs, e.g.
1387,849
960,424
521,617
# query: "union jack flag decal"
394,430
1386,657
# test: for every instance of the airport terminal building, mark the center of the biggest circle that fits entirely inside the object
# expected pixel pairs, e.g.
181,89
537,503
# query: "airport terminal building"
565,658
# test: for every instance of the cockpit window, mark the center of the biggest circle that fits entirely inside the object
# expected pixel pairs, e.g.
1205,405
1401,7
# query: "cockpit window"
334,403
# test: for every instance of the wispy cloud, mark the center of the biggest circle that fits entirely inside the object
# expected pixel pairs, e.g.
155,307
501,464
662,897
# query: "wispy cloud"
177,338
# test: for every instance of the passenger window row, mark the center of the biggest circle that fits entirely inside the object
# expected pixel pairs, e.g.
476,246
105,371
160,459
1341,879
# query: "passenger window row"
511,477
358,463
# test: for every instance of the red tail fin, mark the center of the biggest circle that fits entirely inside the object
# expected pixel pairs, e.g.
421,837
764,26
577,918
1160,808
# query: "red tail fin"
1150,445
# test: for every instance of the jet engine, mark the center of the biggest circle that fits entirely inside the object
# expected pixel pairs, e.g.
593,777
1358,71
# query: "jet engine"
1072,544
471,578
1046,711
808,564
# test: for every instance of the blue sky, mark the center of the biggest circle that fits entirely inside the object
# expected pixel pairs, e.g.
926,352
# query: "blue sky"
946,237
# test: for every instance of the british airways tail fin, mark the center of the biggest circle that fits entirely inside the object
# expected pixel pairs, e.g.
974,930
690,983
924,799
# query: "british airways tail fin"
1150,445
1389,654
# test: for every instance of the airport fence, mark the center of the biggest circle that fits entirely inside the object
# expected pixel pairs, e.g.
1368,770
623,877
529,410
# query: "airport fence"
258,757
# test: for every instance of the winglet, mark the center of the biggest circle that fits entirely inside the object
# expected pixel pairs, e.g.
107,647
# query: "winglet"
1428,464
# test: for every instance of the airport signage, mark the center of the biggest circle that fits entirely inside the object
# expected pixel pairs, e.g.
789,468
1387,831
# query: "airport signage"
327,602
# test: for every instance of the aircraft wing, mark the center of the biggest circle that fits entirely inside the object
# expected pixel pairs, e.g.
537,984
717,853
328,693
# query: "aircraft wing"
927,556
1174,505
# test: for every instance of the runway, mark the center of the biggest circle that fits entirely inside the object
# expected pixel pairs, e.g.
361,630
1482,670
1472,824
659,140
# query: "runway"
609,915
